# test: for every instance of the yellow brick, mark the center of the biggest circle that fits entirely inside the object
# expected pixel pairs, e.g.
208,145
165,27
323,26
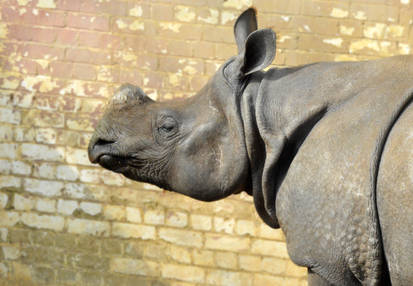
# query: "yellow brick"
250,263
294,270
226,260
203,257
85,226
274,265
271,248
220,277
179,254
43,221
134,266
127,230
322,8
185,273
181,237
225,242
380,13
267,232
111,212
261,280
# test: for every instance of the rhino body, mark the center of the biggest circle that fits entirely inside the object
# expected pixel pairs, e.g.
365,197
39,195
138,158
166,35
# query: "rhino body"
324,149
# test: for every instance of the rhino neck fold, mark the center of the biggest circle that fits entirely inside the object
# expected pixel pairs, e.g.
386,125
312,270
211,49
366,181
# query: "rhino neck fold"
271,146
255,146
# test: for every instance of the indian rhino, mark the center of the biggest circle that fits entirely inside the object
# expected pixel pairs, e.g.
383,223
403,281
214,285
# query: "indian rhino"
324,149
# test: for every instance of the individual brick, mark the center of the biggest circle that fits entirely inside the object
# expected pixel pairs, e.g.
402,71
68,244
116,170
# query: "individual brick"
46,135
74,191
8,218
220,277
295,271
89,261
268,247
225,242
43,221
6,133
249,263
42,152
66,207
379,13
11,252
127,230
42,187
5,167
134,266
99,23
133,215
185,13
23,203
46,205
90,208
179,254
111,212
287,7
224,225
3,200
226,260
154,216
4,234
90,175
185,273
201,222
44,275
86,226
111,246
265,231
44,170
67,173
10,182
274,266
21,168
8,150
203,257
112,179
181,237
176,219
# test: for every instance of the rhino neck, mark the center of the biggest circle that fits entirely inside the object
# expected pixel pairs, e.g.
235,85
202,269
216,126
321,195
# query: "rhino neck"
255,146
270,150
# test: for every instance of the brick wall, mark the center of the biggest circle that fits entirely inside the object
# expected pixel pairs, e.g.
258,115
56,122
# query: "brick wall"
66,222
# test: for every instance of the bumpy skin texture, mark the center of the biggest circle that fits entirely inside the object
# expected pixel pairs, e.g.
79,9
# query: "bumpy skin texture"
323,149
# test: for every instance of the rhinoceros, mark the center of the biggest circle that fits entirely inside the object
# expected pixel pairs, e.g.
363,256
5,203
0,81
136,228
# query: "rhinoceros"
324,149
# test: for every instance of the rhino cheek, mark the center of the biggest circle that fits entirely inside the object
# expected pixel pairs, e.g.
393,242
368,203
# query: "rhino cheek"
201,169
197,180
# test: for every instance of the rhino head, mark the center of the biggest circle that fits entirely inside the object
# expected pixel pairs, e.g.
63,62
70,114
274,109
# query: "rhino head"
197,146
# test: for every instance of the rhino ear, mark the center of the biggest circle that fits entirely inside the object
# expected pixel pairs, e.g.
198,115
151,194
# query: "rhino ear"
259,51
245,25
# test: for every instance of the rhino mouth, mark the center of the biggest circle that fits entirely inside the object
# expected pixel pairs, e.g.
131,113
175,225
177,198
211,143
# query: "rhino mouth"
111,162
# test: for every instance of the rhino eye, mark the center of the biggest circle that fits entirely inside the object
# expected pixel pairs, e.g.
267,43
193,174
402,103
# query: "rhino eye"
167,126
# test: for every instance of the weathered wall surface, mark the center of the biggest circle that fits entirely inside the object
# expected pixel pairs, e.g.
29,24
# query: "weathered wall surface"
66,222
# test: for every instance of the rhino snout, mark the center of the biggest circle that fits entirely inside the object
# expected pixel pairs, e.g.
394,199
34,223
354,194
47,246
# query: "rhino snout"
99,147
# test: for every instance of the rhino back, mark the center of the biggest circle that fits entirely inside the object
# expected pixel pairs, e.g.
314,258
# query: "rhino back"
326,202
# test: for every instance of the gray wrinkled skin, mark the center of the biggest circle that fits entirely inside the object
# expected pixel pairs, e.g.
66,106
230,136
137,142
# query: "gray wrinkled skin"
322,148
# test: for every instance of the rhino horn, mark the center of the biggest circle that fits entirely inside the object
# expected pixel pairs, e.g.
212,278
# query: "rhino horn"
128,93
